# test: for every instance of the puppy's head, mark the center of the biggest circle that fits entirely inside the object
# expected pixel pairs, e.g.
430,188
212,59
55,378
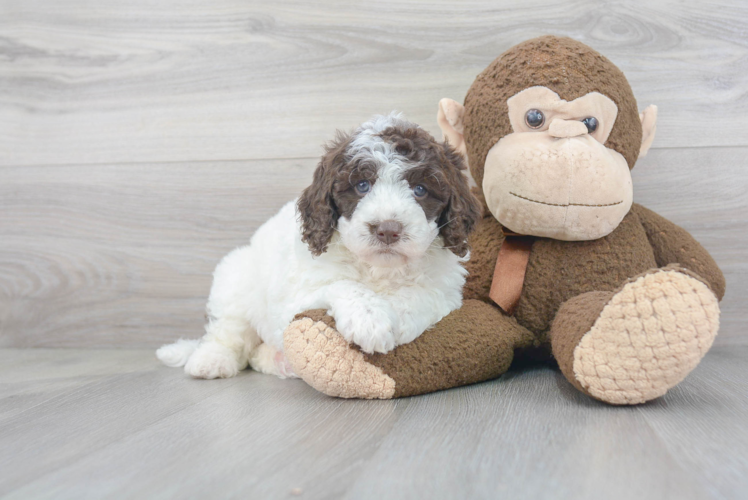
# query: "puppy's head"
392,191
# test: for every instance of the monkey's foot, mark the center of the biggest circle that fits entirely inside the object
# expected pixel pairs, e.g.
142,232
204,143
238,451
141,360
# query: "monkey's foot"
323,359
647,338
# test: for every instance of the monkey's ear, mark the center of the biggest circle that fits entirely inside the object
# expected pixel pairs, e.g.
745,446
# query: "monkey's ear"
649,127
449,117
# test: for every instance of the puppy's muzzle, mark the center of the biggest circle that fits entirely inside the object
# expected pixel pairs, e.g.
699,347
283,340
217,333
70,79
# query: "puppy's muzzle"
388,231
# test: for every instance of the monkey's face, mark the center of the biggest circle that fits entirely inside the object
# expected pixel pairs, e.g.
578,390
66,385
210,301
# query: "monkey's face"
553,176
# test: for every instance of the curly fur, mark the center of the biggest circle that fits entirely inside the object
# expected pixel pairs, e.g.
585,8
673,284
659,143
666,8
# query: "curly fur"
323,251
319,215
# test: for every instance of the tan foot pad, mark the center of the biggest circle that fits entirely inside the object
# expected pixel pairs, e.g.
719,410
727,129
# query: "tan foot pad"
323,358
649,336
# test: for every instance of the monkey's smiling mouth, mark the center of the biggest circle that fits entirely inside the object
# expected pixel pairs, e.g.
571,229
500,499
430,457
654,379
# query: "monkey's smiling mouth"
564,205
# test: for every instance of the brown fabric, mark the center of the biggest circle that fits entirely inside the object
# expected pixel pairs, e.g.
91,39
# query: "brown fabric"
484,243
560,270
574,319
479,196
472,344
509,273
569,68
672,244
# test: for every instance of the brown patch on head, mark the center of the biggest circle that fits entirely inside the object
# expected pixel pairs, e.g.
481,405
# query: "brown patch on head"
331,193
438,168
435,165
569,68
318,213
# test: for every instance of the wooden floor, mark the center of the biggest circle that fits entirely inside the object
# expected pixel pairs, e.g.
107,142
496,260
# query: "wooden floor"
140,141
78,424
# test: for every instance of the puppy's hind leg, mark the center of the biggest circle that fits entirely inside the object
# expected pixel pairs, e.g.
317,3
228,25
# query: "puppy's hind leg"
224,350
266,359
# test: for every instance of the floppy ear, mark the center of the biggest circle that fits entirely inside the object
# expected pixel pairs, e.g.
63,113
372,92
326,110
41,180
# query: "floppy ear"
316,207
463,210
648,118
449,118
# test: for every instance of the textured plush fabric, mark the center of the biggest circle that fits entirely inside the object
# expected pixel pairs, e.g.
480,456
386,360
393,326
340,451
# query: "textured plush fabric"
321,356
647,338
567,67
474,343
574,319
565,119
485,243
560,270
673,244
462,348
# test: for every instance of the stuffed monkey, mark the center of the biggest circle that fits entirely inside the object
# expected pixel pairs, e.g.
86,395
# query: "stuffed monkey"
563,263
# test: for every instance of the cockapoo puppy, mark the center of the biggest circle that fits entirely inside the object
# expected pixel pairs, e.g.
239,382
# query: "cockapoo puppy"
377,239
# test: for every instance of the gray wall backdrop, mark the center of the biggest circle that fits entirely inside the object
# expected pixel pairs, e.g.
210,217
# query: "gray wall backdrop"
140,141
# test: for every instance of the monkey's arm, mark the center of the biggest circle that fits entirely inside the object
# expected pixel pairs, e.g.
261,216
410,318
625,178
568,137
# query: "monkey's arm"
674,245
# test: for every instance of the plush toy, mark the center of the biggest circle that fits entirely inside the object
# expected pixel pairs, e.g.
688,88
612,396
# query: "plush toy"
563,263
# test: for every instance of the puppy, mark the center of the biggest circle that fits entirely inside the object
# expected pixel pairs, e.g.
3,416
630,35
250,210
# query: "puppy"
377,239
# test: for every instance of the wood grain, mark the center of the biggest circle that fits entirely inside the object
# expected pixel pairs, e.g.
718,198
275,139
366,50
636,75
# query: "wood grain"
705,190
139,81
147,431
122,255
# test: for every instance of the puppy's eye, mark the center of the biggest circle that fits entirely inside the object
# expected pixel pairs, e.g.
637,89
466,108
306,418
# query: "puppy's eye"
591,123
363,187
534,118
420,191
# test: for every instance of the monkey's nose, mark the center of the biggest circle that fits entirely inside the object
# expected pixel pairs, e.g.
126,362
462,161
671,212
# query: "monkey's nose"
562,129
389,231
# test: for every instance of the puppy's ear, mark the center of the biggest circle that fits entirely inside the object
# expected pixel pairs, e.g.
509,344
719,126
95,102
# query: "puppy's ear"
316,206
463,210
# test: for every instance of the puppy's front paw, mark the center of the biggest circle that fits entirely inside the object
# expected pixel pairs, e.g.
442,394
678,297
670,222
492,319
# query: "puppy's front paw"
212,360
370,326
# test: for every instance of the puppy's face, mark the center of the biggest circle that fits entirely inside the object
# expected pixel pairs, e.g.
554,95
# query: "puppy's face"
391,191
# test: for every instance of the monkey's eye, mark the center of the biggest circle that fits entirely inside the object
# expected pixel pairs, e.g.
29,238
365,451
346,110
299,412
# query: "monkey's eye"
591,123
534,118
420,191
363,187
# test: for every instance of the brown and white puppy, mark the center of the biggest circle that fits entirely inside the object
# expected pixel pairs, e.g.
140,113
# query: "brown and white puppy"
378,240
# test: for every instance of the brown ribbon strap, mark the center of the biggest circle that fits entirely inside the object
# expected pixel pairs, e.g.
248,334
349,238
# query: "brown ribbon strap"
509,274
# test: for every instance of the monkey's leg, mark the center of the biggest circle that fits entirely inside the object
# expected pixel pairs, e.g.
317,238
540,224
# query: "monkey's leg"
632,345
472,344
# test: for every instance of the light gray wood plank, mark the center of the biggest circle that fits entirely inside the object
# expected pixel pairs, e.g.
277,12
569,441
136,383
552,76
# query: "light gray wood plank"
529,435
262,438
122,255
154,433
708,439
706,192
77,421
25,386
139,81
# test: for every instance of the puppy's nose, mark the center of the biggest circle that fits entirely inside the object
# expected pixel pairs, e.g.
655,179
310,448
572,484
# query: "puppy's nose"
388,231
